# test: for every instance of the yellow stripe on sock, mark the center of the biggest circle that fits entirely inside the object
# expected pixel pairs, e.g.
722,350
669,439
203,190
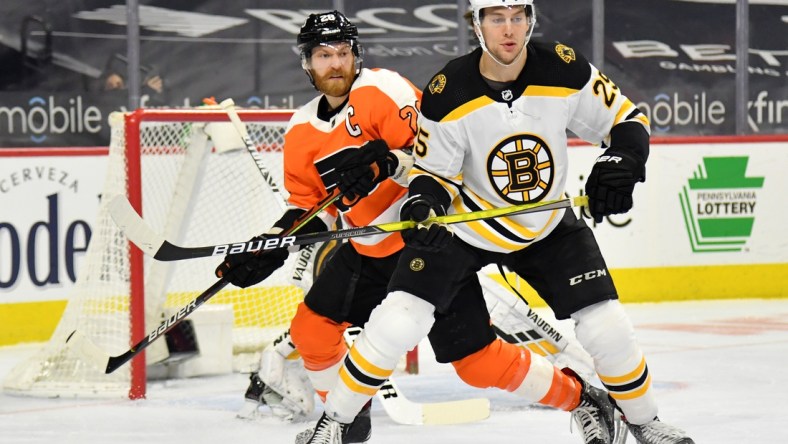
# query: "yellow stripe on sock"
351,383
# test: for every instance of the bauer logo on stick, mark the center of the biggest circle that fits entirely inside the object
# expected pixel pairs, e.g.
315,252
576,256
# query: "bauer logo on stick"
254,245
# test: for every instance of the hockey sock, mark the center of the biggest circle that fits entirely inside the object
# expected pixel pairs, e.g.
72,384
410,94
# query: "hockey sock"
605,331
394,327
526,374
322,346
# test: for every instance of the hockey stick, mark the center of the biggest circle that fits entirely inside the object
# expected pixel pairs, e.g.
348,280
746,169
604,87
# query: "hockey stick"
161,249
404,411
93,353
228,105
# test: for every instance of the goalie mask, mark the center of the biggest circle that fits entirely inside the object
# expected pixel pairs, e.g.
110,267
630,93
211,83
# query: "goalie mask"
477,7
327,29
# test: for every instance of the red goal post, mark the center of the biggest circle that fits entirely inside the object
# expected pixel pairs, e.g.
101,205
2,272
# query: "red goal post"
188,174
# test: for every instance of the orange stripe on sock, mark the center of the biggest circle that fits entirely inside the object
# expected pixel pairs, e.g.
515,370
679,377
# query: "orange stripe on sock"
564,392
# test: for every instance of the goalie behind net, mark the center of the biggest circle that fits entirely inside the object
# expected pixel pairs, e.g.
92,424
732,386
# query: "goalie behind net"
198,185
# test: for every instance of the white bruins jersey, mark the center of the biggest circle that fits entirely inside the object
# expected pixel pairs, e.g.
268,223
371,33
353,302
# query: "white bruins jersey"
490,149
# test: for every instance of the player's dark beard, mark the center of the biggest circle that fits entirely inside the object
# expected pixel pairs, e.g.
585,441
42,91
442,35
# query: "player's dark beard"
335,88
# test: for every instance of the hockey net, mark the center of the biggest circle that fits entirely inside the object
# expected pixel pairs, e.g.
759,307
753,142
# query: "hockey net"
190,177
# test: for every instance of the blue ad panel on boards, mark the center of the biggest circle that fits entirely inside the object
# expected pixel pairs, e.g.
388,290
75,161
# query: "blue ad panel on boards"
675,58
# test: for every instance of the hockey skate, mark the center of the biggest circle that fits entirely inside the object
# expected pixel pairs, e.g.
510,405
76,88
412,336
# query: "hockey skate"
359,431
654,432
594,415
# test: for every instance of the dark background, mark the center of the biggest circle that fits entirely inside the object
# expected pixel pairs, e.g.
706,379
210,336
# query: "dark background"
245,50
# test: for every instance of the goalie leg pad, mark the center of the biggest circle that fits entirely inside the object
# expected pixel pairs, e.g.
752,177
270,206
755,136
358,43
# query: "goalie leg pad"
289,383
605,331
395,326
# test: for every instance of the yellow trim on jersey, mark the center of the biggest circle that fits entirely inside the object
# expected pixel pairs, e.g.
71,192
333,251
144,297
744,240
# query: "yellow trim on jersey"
492,236
355,386
467,108
507,222
633,394
631,376
496,238
367,366
625,107
549,91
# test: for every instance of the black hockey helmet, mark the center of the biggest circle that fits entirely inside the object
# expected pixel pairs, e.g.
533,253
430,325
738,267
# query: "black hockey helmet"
324,28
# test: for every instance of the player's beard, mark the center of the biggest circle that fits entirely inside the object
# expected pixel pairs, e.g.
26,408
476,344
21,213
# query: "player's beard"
335,87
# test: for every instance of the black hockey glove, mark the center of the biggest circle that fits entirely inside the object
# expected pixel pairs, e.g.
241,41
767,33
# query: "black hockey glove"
246,269
362,169
612,180
433,237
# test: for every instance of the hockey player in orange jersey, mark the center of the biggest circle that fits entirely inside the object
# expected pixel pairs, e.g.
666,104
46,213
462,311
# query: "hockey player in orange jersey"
351,137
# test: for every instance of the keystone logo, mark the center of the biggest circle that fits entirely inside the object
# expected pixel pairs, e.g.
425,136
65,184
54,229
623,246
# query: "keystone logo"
719,203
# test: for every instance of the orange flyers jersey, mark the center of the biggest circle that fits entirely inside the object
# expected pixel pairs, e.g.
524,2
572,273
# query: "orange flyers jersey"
381,105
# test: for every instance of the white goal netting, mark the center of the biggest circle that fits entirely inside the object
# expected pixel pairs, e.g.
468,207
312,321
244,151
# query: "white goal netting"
199,186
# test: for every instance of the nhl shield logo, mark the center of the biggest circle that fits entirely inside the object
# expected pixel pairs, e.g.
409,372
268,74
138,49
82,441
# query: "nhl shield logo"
507,94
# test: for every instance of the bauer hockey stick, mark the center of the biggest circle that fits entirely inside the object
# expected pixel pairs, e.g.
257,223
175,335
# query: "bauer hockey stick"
404,411
155,245
228,105
93,353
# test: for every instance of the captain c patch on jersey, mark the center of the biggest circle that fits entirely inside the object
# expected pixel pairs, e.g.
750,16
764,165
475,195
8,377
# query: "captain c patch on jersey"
520,168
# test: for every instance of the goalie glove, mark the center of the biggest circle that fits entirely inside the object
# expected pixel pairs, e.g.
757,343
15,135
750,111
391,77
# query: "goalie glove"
249,268
364,168
433,237
612,181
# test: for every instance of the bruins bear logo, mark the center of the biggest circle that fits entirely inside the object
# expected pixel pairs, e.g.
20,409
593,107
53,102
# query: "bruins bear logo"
521,169
566,53
437,84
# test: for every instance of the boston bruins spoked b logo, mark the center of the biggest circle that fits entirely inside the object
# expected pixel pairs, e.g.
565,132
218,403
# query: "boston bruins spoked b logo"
521,169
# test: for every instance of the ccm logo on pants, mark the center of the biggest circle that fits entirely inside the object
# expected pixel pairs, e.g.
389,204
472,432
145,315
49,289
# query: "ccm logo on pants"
587,276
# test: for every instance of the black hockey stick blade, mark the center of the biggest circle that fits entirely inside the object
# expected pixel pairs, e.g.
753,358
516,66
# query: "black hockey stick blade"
90,352
161,249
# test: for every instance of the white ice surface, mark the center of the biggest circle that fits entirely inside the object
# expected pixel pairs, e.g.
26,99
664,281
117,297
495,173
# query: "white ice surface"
718,369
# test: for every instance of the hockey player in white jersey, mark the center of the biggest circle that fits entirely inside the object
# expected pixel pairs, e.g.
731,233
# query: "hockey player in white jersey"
493,133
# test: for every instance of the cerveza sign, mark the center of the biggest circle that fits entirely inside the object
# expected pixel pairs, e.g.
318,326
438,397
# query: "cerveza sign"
43,241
